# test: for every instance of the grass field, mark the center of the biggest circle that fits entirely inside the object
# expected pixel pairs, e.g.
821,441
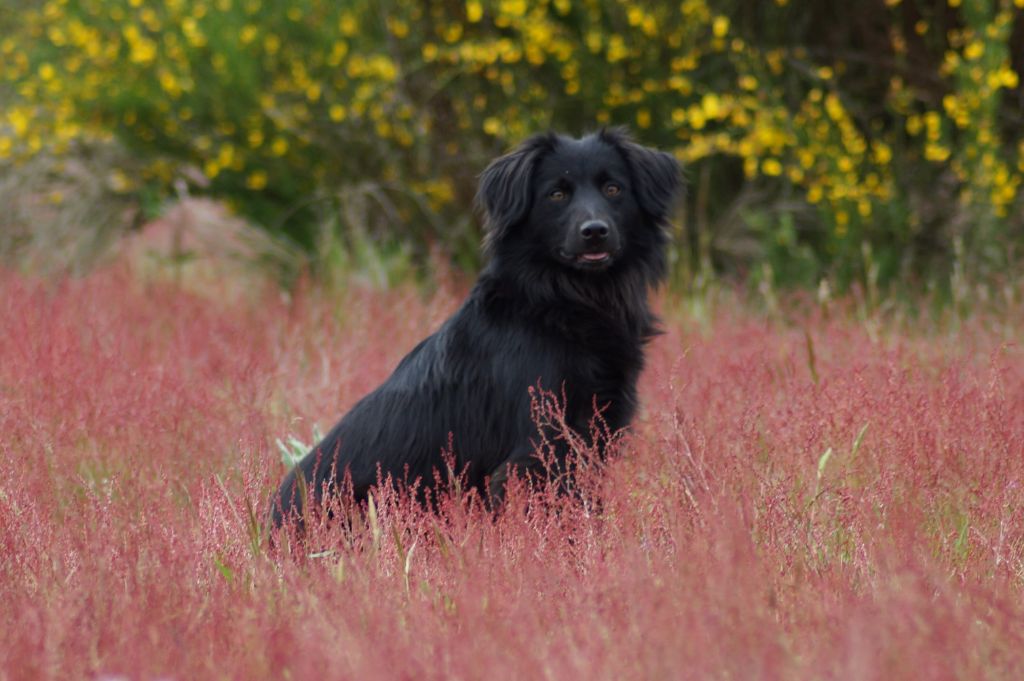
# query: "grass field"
810,495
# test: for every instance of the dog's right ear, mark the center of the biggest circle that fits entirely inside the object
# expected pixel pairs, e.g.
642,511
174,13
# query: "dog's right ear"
506,187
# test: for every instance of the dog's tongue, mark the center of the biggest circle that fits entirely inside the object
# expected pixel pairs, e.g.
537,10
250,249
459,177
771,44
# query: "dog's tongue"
595,257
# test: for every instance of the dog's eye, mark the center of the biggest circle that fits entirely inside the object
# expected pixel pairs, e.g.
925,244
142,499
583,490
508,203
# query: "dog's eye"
557,195
612,189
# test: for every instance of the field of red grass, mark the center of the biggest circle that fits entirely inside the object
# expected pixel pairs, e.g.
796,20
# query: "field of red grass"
819,496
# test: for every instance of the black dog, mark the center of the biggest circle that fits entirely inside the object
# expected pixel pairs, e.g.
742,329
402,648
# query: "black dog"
576,234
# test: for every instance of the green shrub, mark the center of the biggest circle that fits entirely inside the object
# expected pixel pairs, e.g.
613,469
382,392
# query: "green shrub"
809,129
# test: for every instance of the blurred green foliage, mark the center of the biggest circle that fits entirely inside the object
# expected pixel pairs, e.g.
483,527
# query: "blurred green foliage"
879,140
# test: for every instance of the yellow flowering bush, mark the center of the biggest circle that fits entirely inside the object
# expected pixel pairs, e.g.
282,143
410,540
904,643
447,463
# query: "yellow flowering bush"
812,132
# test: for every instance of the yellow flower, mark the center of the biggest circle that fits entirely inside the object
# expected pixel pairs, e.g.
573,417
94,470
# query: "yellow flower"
193,34
256,180
338,51
834,107
697,119
933,125
474,11
398,27
169,83
143,51
211,169
771,167
1007,77
936,152
348,25
711,105
19,119
118,181
750,167
492,126
882,153
720,26
617,50
515,8
842,220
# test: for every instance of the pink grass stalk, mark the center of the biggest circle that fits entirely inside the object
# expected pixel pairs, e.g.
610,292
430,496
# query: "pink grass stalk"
136,430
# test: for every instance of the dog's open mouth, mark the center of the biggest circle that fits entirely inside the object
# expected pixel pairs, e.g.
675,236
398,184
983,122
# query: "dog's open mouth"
588,259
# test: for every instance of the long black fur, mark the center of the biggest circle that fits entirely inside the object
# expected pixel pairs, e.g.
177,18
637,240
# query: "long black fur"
548,309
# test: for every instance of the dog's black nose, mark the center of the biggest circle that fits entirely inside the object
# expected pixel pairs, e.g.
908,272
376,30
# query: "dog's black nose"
594,230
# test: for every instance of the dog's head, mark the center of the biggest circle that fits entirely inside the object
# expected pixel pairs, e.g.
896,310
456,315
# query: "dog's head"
587,203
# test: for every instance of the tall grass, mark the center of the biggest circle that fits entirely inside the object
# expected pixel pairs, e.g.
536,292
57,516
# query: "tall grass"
821,497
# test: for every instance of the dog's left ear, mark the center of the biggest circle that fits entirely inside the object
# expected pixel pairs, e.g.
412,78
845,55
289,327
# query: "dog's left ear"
657,175
506,190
